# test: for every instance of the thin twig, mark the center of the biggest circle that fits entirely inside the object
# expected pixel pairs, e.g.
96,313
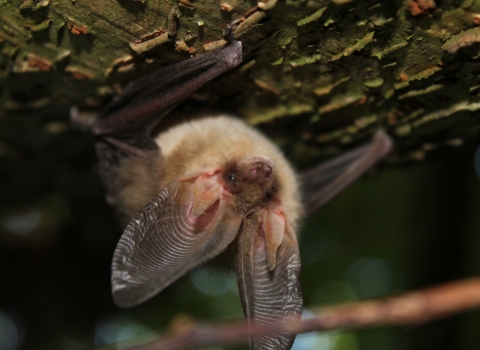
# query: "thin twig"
411,308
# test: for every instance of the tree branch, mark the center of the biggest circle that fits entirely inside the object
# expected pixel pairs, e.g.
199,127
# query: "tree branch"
411,308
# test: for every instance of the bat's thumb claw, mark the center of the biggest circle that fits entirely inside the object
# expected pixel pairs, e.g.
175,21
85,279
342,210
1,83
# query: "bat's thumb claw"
228,34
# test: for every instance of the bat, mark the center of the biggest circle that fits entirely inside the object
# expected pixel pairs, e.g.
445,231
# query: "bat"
208,186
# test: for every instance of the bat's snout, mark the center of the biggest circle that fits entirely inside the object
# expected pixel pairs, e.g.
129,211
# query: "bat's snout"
260,169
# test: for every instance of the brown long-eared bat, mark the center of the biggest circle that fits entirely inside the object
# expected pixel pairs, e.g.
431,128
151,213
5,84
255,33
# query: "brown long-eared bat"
205,185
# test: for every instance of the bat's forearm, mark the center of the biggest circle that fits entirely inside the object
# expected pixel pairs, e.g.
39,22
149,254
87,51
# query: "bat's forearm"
148,99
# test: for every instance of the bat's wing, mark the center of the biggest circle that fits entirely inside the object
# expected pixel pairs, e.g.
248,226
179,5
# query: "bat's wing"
323,182
145,101
126,123
164,240
269,296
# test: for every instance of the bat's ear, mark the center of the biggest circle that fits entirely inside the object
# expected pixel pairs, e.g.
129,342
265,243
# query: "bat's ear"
164,240
269,295
207,189
323,182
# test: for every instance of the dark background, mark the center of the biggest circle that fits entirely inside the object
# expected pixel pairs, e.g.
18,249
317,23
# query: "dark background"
403,228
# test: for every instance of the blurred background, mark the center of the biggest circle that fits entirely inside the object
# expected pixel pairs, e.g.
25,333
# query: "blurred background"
403,228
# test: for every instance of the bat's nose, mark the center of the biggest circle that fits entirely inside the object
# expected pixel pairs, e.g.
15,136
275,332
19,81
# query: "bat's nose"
261,170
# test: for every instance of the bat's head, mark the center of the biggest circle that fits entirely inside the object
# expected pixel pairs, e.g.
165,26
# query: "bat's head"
251,180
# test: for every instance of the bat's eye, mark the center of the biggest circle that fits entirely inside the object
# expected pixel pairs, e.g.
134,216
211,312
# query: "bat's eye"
232,178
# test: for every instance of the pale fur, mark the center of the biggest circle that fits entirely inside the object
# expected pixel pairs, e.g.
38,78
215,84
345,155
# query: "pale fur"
202,145
197,146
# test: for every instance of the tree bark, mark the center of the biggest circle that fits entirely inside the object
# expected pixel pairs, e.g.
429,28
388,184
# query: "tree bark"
319,75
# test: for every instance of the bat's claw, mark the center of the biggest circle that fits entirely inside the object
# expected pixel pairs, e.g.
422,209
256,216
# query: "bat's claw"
228,34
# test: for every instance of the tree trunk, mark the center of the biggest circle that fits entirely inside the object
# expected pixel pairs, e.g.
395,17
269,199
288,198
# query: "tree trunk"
331,71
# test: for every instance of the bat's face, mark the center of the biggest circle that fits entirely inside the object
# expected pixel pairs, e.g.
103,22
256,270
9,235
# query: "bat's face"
250,180
238,187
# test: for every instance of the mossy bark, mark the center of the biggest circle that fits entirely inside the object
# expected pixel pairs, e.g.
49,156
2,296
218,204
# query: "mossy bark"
318,74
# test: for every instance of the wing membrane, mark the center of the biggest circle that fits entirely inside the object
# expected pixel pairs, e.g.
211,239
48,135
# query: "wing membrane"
145,101
323,182
163,241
